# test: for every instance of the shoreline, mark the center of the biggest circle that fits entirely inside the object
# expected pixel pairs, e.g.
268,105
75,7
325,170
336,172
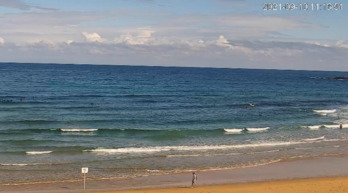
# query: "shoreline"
308,168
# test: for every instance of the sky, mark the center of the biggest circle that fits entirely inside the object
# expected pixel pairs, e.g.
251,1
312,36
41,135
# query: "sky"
194,33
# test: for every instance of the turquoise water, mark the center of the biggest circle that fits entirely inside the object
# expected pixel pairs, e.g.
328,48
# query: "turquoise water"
126,121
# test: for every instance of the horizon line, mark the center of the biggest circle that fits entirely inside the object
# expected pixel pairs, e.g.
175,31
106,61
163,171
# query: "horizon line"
207,67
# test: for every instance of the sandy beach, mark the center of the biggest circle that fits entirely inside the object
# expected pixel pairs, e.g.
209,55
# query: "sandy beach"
315,185
321,174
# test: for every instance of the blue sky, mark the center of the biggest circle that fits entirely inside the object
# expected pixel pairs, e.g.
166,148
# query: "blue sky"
202,33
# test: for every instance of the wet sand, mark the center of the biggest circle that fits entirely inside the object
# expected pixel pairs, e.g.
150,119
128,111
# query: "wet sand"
326,168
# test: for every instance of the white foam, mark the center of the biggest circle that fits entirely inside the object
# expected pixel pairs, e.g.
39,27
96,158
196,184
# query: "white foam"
314,127
325,112
344,126
78,130
38,152
22,164
188,155
155,149
129,150
332,126
233,131
315,139
152,171
317,127
256,130
334,140
3,164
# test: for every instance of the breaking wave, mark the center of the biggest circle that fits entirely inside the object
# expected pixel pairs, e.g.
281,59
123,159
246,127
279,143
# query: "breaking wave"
78,130
256,130
37,152
155,149
324,112
315,139
233,131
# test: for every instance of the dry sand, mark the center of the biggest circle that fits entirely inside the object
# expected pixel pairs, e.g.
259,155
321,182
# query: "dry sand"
314,185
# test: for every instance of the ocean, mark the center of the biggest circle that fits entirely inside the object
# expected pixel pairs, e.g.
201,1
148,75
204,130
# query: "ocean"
127,121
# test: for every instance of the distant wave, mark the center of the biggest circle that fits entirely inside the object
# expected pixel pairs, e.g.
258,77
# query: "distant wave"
324,112
256,130
14,164
155,149
317,127
249,130
332,126
221,154
344,126
24,164
313,127
78,130
29,121
129,150
37,152
315,139
18,164
187,155
233,131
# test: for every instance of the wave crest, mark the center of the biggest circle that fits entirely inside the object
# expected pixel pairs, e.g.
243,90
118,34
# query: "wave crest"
325,112
256,130
233,131
37,152
315,139
155,149
77,130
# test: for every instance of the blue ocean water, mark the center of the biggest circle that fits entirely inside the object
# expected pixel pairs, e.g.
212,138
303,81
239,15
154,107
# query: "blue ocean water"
132,120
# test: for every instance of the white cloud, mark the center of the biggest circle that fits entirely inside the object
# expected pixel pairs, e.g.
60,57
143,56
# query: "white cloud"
139,37
2,41
222,41
92,37
39,44
248,51
342,44
70,41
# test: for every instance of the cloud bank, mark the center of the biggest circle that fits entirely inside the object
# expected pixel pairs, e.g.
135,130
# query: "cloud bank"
215,53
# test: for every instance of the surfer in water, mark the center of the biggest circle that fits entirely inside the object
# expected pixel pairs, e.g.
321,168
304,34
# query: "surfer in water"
194,179
341,126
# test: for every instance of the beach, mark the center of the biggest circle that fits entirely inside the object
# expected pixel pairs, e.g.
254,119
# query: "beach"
320,185
321,174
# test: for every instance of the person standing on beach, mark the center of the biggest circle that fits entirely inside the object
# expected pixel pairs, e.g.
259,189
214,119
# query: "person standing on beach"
194,179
